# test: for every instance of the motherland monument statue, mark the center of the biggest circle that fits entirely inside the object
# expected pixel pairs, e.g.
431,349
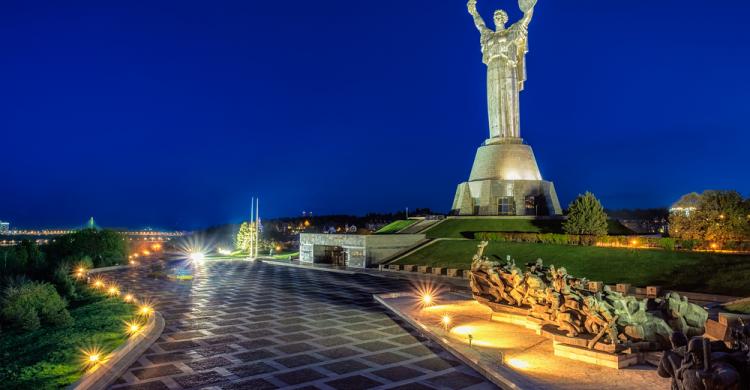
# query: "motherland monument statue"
505,179
504,52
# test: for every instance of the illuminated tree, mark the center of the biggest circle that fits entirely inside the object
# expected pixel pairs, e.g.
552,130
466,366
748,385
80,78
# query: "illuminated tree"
242,240
586,216
718,217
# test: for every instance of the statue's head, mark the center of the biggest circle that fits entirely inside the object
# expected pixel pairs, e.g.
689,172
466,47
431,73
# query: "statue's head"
501,18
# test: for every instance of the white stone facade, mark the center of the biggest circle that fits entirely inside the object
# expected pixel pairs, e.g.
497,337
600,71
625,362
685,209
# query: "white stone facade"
358,251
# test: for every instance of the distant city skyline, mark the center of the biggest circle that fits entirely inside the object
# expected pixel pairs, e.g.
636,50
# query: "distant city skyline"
175,116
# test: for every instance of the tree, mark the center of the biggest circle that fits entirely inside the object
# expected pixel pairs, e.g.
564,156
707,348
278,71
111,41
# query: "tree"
715,216
242,240
586,216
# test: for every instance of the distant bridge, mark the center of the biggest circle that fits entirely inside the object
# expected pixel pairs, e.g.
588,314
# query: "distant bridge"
44,236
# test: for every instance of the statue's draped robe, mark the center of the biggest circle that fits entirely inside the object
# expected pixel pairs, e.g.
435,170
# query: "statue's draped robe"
504,54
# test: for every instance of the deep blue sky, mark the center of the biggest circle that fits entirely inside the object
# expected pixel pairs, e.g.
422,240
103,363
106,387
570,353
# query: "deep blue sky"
174,113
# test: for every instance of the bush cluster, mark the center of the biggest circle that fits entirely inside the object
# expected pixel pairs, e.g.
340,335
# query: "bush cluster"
538,238
665,243
30,304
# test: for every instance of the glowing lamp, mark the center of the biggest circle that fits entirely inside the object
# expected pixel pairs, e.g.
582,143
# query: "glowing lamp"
146,310
427,299
128,298
519,364
94,358
446,321
197,256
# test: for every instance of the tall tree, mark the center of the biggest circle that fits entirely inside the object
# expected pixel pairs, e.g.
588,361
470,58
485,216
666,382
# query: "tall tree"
586,216
717,216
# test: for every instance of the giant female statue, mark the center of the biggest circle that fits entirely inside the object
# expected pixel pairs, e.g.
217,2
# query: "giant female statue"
504,51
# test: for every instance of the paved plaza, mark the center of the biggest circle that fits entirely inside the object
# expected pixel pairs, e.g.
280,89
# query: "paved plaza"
241,325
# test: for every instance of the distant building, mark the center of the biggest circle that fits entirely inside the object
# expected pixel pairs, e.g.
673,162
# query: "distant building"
4,227
686,205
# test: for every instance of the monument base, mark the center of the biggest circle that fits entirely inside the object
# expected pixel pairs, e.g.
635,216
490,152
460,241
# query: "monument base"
617,361
505,181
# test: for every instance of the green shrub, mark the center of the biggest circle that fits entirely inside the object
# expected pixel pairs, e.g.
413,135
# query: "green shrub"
63,280
668,243
31,304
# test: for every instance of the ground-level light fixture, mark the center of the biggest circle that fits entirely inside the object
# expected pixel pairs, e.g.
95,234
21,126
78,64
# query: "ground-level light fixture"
145,310
132,327
128,298
197,256
446,321
113,291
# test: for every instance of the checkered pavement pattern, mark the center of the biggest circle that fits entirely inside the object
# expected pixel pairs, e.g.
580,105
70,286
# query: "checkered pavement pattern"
249,325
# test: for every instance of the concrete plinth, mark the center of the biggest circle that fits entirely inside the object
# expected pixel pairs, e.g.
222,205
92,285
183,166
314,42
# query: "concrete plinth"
505,180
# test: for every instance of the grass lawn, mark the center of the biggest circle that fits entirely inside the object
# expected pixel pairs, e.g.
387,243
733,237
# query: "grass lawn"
396,226
466,227
687,271
49,358
742,307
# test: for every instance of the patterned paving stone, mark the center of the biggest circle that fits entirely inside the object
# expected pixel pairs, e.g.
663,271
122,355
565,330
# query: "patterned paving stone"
252,369
201,379
253,384
346,366
207,364
156,371
398,374
248,325
354,382
251,356
298,360
300,376
455,380
436,364
386,358
338,353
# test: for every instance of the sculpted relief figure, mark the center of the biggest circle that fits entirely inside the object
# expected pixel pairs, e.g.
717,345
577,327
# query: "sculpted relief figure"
504,52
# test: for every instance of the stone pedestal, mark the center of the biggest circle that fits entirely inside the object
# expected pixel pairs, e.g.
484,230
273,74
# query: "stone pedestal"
505,180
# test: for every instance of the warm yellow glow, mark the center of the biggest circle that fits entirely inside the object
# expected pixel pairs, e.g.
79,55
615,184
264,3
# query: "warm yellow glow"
79,275
427,299
128,298
98,283
146,253
156,247
132,327
197,256
146,310
519,364
113,291
446,320
634,242
92,357
307,223
135,255
722,216
81,270
278,248
714,246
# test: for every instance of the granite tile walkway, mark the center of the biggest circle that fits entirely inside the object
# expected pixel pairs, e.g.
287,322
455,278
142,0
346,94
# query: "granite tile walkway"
241,325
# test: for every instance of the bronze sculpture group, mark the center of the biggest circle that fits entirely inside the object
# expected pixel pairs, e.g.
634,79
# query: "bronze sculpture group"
700,364
597,318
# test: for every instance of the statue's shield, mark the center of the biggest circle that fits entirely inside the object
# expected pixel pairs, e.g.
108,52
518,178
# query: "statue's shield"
526,5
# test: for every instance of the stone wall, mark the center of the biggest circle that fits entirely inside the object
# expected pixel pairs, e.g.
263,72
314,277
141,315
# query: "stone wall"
361,251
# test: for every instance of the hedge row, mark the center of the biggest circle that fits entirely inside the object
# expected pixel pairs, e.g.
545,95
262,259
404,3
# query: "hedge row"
615,241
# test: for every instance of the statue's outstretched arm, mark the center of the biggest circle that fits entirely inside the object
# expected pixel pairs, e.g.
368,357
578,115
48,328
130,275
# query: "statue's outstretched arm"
478,21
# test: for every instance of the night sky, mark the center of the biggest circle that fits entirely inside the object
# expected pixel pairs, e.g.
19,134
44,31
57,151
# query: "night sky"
174,113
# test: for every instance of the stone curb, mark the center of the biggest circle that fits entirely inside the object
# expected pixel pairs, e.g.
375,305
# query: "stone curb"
501,376
286,264
122,357
107,269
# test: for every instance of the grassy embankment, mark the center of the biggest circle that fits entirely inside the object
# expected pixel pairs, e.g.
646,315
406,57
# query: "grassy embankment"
687,271
465,228
396,226
50,357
